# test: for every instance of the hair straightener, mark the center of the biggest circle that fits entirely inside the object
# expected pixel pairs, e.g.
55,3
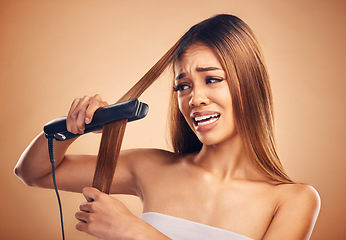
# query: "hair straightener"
56,129
131,109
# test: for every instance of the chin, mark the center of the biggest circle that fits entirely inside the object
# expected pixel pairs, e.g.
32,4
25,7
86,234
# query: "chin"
209,140
214,139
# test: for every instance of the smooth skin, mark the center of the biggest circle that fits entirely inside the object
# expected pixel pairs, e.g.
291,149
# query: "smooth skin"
219,186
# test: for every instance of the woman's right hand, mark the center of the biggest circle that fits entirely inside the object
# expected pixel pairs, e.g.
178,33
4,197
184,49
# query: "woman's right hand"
82,111
36,154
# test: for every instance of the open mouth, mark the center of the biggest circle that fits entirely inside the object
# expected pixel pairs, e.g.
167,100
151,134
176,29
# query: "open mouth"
206,119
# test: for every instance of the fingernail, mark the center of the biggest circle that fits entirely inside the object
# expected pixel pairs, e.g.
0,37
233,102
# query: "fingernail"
87,120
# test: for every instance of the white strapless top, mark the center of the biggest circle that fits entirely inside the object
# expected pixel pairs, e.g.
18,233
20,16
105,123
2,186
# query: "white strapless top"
181,229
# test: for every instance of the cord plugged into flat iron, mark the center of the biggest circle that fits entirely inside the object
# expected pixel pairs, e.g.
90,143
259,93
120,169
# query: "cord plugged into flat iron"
56,129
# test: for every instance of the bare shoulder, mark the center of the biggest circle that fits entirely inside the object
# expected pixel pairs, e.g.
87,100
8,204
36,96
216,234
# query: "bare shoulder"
298,193
296,214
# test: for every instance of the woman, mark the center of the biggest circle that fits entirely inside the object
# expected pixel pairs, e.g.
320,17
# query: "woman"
224,179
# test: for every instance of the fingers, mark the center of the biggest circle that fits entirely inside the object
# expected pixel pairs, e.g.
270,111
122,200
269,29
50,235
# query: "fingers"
87,224
82,226
91,194
81,112
74,122
93,106
105,217
82,216
86,215
86,207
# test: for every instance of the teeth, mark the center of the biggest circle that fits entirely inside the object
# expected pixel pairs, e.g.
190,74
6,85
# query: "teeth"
197,119
207,122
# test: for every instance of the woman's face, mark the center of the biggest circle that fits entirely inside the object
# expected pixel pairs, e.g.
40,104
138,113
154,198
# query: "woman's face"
204,98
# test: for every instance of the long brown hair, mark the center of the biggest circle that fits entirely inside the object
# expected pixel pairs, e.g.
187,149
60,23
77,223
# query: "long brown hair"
242,60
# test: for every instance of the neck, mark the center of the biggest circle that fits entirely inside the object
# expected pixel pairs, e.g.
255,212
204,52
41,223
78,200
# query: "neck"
227,160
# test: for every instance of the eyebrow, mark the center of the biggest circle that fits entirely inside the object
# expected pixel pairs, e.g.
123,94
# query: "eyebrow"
199,69
206,69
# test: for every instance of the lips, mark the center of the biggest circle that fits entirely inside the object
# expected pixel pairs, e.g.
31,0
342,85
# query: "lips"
204,121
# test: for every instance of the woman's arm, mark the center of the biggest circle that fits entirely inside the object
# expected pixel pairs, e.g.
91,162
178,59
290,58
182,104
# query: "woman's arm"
34,162
73,172
296,215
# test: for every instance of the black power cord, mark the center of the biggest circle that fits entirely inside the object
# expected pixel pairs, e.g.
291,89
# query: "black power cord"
52,161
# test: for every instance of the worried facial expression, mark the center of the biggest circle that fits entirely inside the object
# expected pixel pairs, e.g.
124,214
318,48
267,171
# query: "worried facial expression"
204,98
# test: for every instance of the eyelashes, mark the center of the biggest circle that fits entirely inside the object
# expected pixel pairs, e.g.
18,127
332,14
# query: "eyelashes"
213,80
208,80
180,87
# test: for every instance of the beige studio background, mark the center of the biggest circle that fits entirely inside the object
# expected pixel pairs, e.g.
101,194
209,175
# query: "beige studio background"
54,51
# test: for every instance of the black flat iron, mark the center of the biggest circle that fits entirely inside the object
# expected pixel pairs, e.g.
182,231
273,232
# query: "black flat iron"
131,109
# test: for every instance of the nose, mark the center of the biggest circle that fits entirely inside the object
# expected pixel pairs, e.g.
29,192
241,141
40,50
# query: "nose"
198,97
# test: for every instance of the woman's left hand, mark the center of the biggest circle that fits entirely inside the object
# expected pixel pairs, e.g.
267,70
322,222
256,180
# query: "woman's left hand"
104,216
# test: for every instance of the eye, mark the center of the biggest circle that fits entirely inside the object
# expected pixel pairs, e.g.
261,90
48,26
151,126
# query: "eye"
213,80
181,87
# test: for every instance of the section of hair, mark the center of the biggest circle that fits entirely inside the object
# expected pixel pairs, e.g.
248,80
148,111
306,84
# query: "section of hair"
108,154
112,134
